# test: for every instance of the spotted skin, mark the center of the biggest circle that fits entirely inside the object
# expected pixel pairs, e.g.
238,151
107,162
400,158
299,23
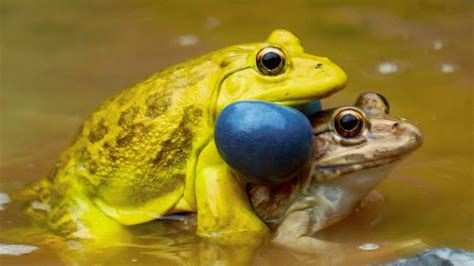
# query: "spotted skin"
341,173
98,132
139,155
126,159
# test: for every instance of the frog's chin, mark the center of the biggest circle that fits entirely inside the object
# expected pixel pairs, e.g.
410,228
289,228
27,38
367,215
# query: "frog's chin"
345,193
331,200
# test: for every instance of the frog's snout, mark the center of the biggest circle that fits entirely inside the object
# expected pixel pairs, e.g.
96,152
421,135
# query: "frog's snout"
418,135
404,128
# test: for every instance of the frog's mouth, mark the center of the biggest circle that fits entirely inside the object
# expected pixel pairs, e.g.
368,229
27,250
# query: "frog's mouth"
296,102
301,95
333,171
327,80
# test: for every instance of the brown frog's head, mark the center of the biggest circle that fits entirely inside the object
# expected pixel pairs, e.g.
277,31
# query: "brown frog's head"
354,148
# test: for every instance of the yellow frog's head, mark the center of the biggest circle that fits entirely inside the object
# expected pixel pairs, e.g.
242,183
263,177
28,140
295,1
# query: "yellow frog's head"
278,71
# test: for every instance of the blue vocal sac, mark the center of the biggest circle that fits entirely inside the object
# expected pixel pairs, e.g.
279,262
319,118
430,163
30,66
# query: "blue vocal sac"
264,143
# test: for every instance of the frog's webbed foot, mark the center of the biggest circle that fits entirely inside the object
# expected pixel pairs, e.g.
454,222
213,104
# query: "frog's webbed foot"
224,212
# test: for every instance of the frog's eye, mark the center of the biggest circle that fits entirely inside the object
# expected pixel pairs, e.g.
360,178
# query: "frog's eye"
349,123
271,61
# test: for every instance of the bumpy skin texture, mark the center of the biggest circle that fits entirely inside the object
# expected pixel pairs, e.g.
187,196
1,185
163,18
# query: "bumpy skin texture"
148,151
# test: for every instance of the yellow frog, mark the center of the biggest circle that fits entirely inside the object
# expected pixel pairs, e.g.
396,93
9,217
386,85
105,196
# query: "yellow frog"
149,151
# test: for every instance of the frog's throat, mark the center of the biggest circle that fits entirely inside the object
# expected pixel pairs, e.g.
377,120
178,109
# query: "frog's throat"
329,202
217,90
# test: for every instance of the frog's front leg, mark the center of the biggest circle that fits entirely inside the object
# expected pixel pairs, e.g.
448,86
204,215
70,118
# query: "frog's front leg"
297,230
224,212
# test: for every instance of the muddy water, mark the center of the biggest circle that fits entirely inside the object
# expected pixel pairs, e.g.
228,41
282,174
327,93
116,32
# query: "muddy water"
59,61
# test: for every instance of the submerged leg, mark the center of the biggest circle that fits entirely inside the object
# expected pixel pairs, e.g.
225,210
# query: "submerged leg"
76,217
296,233
71,215
224,212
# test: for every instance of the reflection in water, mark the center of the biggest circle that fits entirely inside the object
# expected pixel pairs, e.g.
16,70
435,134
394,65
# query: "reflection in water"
16,250
60,61
158,243
4,199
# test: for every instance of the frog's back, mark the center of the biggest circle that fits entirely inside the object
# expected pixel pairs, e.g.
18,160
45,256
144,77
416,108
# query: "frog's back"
135,156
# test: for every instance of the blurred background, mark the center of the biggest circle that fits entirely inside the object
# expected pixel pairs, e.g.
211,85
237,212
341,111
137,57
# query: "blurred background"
61,59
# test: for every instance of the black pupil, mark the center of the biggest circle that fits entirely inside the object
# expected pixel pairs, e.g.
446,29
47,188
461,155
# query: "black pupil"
271,60
349,122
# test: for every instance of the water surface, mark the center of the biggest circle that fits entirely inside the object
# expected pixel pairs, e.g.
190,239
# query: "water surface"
61,60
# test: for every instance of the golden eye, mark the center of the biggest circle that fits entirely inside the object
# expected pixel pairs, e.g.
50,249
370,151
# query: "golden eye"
349,123
271,61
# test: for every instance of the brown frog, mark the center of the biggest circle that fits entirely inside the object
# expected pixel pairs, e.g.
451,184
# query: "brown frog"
354,149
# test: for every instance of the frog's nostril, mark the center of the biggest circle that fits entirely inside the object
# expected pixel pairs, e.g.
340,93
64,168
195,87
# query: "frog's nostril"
318,65
395,126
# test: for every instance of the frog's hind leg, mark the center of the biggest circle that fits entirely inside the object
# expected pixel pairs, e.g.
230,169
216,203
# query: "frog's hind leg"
223,210
76,217
71,215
